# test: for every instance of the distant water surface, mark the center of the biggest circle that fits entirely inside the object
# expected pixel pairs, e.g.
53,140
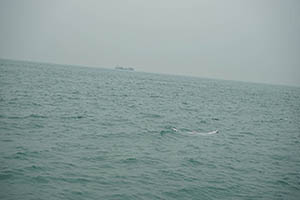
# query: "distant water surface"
72,132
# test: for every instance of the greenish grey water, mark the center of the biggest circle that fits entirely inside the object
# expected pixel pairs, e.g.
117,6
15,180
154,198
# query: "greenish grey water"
72,132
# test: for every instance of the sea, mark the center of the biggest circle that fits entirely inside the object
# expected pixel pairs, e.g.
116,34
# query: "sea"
73,132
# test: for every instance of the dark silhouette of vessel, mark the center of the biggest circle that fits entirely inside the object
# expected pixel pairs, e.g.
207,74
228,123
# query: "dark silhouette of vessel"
124,68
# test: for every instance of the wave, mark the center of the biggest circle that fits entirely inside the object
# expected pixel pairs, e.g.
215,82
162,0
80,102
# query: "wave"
25,117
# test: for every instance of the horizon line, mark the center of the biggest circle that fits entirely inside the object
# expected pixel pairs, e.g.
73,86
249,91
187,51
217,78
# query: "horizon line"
159,73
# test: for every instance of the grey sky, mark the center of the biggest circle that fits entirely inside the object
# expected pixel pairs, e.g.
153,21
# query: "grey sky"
250,40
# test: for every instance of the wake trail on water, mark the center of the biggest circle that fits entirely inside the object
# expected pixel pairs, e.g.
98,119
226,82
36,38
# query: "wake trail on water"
203,133
197,132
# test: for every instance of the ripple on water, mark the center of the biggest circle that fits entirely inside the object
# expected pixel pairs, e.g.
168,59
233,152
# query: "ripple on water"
70,132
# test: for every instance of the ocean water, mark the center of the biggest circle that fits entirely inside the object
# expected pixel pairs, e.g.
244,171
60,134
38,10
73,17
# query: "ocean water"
70,132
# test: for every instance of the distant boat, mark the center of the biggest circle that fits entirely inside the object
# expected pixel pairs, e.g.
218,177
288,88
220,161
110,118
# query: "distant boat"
124,68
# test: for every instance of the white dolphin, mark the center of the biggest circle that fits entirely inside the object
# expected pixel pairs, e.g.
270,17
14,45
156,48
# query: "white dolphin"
174,129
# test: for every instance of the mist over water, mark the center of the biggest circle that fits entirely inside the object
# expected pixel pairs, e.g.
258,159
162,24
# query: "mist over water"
72,132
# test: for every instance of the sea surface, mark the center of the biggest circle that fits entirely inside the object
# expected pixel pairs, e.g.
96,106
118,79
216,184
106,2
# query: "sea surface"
70,132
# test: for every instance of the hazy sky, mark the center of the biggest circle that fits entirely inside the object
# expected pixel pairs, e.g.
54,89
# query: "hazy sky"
250,40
